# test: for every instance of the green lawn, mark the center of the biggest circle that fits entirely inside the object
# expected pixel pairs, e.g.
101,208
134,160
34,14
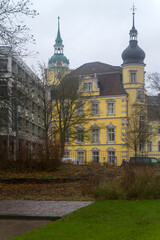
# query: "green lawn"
105,220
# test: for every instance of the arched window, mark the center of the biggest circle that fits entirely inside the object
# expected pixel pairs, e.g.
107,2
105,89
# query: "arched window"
95,155
80,156
95,133
111,158
111,132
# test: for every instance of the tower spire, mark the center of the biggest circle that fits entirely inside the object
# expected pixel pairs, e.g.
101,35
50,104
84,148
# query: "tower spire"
58,60
58,24
133,13
133,31
133,53
58,40
58,47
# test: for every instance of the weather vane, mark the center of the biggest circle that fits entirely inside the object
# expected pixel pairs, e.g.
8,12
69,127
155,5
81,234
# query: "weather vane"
133,9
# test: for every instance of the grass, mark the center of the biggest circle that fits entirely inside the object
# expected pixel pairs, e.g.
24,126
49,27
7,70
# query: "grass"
105,220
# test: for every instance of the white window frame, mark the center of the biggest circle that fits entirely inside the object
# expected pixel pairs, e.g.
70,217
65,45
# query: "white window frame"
80,156
111,157
133,76
95,135
110,108
95,155
87,86
111,134
95,108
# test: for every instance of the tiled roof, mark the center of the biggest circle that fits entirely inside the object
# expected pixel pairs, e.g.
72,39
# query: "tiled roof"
109,77
111,84
96,67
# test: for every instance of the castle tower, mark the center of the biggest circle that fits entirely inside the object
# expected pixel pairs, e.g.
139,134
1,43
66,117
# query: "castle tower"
58,64
133,69
58,60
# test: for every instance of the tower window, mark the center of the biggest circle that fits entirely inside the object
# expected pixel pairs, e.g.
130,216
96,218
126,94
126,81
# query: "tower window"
142,122
140,95
133,76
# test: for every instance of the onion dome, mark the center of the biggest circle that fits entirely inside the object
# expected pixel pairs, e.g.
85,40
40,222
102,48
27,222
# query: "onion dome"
133,53
58,60
58,57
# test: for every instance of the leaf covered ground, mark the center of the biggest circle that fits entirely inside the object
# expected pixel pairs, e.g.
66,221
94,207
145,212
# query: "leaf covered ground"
71,190
82,182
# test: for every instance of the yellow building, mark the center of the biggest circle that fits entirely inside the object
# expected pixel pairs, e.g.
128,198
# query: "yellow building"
113,93
107,117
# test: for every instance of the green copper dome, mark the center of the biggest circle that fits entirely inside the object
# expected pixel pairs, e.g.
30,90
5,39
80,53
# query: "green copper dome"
58,57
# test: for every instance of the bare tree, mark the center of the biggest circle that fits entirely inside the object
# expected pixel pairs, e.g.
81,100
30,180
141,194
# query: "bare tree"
139,131
153,80
47,117
13,31
153,100
71,110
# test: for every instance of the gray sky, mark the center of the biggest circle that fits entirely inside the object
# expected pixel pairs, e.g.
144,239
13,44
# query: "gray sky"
96,30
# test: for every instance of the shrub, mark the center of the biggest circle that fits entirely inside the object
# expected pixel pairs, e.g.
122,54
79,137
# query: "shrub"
131,184
32,160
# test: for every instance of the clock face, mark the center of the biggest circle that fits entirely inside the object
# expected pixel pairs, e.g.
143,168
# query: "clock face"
59,63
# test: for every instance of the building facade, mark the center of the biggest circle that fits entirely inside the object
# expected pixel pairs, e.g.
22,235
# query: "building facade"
21,106
116,95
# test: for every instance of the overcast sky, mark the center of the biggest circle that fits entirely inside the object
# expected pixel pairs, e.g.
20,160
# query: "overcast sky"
96,30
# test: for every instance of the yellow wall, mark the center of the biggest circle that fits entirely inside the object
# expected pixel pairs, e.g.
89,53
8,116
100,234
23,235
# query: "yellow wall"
132,88
51,75
103,120
123,109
